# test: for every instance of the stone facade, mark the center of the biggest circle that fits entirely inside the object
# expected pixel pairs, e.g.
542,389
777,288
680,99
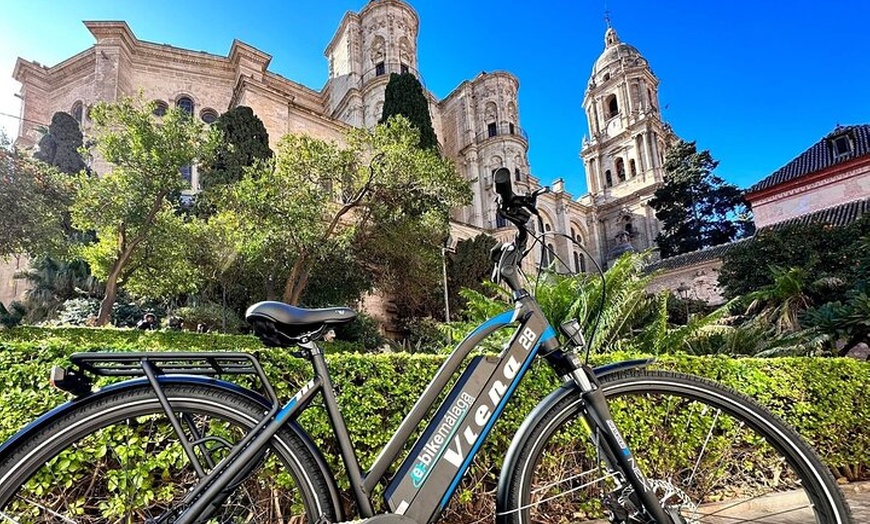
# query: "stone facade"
478,123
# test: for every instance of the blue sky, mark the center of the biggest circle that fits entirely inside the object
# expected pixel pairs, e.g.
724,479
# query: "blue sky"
755,82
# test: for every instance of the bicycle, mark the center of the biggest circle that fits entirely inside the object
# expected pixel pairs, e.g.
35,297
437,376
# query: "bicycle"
176,443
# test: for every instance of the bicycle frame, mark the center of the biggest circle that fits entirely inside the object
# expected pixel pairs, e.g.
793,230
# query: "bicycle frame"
431,472
418,492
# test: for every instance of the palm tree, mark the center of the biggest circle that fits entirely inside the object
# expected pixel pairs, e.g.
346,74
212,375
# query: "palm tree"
53,282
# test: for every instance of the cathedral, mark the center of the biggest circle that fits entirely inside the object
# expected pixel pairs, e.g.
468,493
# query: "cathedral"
478,124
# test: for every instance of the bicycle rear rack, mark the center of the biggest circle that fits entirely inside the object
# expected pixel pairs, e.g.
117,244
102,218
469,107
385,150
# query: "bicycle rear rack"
143,364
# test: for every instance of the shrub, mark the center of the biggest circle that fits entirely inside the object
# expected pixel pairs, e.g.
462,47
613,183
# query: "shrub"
212,316
362,331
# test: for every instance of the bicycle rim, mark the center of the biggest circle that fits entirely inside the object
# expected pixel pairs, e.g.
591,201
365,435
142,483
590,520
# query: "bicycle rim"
711,455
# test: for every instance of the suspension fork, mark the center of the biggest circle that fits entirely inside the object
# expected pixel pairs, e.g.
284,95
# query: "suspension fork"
617,454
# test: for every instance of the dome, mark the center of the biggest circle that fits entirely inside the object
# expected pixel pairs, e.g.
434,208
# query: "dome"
617,52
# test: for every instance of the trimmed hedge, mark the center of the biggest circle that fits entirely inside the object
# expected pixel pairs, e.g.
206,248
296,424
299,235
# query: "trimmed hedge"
826,400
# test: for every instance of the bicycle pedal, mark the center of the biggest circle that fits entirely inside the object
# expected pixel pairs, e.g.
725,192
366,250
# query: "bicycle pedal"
385,518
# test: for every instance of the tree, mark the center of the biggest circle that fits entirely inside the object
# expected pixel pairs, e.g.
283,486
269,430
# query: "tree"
245,140
59,147
696,208
316,197
138,228
34,199
823,251
468,267
404,96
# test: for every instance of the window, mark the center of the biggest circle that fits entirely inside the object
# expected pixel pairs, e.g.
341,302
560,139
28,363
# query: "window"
511,128
551,254
620,169
608,179
380,69
517,174
404,68
612,106
606,77
632,168
547,227
500,221
160,108
491,130
77,112
576,262
842,146
208,116
185,104
187,175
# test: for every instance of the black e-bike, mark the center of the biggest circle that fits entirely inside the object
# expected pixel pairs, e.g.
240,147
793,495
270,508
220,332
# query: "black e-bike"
175,443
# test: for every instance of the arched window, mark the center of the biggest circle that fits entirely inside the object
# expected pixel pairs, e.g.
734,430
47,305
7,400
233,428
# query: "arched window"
612,106
620,170
606,77
185,104
208,115
632,168
77,112
576,262
608,179
517,174
160,108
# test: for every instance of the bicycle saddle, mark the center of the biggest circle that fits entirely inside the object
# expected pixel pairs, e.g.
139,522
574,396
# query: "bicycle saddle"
291,321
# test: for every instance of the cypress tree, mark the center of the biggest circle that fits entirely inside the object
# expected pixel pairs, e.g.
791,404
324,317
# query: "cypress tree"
247,141
60,146
404,96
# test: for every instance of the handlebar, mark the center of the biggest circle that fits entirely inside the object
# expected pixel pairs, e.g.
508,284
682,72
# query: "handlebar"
517,209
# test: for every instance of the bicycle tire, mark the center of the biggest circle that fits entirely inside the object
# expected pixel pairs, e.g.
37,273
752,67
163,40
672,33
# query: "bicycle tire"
116,455
656,412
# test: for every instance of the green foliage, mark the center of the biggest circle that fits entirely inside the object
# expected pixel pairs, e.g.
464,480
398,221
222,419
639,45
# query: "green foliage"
697,209
824,252
60,146
11,316
344,207
212,317
830,414
363,331
34,199
142,241
404,96
52,282
244,142
468,267
617,315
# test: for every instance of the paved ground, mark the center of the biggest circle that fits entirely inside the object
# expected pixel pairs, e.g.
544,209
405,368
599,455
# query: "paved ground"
858,495
765,510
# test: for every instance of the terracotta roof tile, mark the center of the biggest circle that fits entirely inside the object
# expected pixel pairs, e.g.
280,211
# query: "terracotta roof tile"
818,157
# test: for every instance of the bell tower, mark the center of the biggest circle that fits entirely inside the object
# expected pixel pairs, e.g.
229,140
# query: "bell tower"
624,151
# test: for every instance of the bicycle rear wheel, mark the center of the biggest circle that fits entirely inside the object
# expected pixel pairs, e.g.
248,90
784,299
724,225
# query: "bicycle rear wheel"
712,455
119,460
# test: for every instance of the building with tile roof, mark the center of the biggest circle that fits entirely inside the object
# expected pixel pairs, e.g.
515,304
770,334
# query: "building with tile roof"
828,183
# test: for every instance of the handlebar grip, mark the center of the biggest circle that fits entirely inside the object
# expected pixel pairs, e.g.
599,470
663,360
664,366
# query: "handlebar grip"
502,180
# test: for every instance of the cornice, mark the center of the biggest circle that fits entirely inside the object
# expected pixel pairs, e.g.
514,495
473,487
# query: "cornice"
807,183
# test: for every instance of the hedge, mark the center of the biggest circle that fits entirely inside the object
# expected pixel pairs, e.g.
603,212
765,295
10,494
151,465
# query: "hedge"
825,399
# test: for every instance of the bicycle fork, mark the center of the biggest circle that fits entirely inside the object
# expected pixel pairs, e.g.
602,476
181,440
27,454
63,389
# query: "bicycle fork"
616,452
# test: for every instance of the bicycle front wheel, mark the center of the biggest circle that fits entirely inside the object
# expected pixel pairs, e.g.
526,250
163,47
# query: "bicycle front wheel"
119,460
712,456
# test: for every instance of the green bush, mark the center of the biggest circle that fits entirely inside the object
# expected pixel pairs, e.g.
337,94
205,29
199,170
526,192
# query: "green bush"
823,398
213,317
